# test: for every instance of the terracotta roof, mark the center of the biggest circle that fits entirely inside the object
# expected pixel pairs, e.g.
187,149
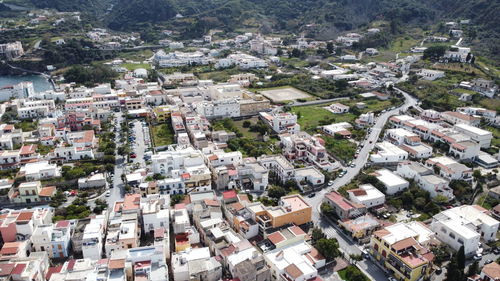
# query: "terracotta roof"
293,271
10,248
276,237
357,191
229,194
213,157
19,269
296,230
180,206
237,206
132,202
52,270
492,270
6,269
47,191
211,202
24,216
71,264
403,244
116,264
64,223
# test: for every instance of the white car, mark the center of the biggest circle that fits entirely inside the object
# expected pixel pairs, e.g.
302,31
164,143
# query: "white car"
108,193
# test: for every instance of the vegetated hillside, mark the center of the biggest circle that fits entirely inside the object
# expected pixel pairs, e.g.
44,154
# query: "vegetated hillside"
92,7
323,19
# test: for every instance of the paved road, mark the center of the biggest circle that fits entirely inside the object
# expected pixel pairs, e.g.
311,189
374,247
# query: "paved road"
332,230
117,192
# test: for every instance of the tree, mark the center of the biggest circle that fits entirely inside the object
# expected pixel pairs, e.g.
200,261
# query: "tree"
468,58
246,124
461,257
329,248
326,209
473,269
276,191
454,272
329,47
440,199
434,52
477,175
316,235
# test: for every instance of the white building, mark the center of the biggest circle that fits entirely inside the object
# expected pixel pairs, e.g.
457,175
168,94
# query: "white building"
388,153
40,170
218,108
195,264
292,262
450,169
97,180
465,149
18,91
281,122
92,243
465,226
481,136
431,75
425,179
393,183
367,195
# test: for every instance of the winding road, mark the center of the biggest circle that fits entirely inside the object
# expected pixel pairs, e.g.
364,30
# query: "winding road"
331,230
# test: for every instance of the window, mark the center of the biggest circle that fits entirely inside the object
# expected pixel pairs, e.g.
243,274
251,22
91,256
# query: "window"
452,235
59,247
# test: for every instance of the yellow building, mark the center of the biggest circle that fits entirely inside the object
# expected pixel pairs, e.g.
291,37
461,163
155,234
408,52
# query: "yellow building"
400,249
291,209
162,113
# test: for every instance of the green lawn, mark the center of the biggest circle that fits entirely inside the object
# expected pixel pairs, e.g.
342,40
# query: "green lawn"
163,134
310,117
134,66
341,148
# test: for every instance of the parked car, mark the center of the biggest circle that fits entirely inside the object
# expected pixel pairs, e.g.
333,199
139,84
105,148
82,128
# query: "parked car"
488,262
496,251
311,195
478,257
353,165
133,155
108,193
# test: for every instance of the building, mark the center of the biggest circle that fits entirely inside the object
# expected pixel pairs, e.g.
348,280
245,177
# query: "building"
295,262
402,249
360,227
18,91
337,108
450,169
388,153
281,122
291,209
40,170
455,117
184,168
465,150
32,192
195,264
92,240
343,208
97,180
425,179
481,136
465,226
431,75
490,272
367,195
339,129
11,50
